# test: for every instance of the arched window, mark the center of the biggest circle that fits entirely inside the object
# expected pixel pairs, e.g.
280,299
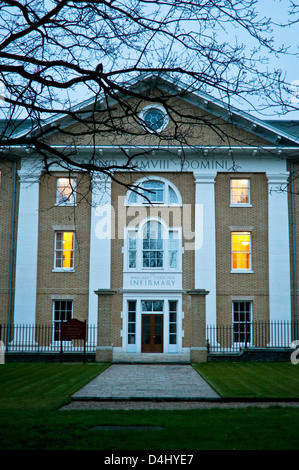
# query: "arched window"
153,245
154,190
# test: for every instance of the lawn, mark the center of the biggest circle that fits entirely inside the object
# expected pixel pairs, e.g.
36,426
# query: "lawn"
31,395
278,380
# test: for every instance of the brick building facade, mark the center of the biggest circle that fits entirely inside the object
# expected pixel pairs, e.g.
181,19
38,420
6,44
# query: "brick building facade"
213,242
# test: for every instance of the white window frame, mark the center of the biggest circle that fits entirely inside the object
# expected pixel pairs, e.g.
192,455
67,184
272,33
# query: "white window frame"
240,204
56,251
138,231
158,107
240,323
241,270
154,296
70,201
131,332
142,201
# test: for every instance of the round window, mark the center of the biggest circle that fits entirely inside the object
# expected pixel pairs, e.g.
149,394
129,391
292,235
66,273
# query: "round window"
154,118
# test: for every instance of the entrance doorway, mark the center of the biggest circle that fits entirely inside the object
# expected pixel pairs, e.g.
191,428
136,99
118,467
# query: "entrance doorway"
152,333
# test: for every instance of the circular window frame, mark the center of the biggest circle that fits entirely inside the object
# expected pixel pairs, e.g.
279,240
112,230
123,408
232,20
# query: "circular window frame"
158,107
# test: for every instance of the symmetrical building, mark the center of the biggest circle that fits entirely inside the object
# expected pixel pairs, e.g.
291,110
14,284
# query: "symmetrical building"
208,238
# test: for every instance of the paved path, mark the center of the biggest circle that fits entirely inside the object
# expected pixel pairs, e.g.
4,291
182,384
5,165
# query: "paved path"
147,382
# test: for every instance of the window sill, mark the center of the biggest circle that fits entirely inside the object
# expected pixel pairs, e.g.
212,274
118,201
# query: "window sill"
65,205
240,205
63,270
152,270
242,271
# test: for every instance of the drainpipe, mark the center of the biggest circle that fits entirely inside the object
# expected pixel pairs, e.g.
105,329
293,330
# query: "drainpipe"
294,254
11,253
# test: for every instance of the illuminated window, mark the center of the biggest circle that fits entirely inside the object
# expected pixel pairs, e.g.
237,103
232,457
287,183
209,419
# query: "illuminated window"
241,250
242,313
62,311
64,250
66,191
240,191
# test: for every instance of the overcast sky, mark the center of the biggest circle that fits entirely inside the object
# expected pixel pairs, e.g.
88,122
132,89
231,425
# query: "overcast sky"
289,64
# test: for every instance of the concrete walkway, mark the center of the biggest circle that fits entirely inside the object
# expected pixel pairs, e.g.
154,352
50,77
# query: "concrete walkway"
147,382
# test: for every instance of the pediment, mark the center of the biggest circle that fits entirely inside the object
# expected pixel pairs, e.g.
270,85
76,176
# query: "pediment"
194,119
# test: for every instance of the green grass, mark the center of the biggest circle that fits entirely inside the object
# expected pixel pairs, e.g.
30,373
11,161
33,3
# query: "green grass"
30,419
278,380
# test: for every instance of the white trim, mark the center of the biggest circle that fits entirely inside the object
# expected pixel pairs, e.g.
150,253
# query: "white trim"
27,245
279,248
100,243
205,241
240,177
160,108
138,297
61,268
241,232
165,238
143,202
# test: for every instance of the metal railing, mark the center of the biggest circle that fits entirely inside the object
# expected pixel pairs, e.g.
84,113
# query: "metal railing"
220,338
43,339
260,334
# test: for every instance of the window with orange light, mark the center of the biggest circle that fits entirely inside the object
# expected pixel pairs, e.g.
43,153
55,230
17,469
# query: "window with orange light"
240,191
241,250
64,250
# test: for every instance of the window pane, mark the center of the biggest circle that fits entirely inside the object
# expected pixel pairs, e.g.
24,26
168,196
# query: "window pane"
132,198
154,191
240,191
131,321
64,250
172,305
63,311
66,190
152,255
152,305
241,250
172,196
242,322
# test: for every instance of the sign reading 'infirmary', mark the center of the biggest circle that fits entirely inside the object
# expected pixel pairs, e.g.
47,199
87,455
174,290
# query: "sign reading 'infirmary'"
152,281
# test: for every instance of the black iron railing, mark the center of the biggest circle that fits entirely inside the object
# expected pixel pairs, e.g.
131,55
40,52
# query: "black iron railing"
43,338
260,334
220,338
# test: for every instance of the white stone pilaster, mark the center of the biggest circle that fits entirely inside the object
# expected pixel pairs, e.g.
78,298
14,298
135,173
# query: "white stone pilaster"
101,233
279,248
205,241
27,247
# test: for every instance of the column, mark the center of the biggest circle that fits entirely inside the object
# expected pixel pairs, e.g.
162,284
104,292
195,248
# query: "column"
104,351
197,302
205,242
27,247
100,243
279,248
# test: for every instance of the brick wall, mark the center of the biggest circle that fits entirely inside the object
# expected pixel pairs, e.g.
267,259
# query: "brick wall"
185,184
251,286
188,125
6,206
63,285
